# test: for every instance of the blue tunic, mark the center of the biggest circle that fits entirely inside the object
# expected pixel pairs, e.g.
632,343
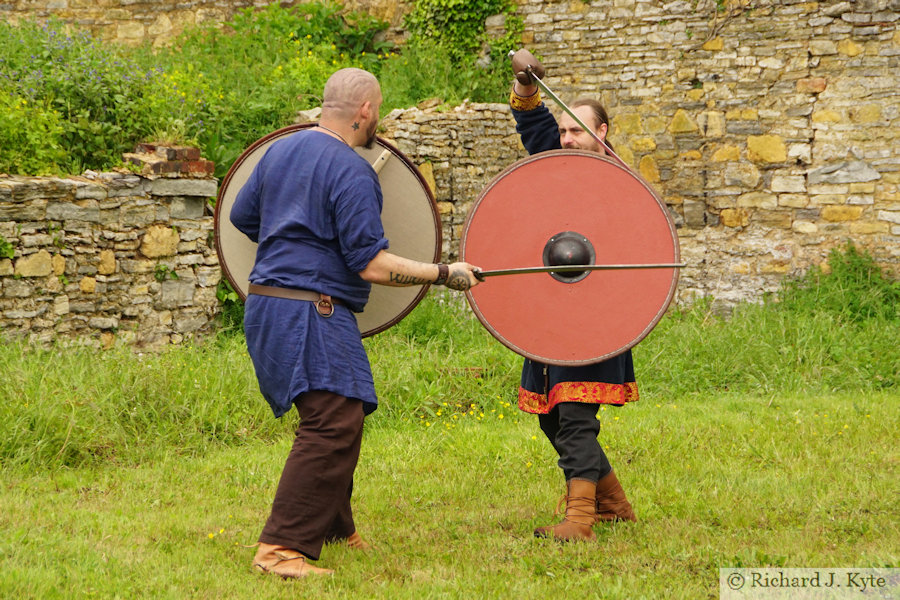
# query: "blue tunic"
313,205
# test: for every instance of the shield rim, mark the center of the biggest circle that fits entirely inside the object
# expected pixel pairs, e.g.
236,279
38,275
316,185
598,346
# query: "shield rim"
645,331
293,128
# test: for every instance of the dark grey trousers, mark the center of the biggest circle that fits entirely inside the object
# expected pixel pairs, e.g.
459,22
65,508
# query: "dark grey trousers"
572,428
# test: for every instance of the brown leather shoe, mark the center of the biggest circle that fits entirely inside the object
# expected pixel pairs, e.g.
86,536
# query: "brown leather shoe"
284,562
356,542
612,505
580,514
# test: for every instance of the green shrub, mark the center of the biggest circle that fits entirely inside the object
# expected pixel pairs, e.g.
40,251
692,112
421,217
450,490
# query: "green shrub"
405,83
89,90
222,87
856,289
252,76
449,36
456,25
232,309
30,136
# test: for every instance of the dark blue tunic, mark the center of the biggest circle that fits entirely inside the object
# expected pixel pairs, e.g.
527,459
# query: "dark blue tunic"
313,205
544,386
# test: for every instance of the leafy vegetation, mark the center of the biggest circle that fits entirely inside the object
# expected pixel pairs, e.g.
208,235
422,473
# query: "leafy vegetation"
231,307
855,289
30,134
464,61
83,103
6,249
457,26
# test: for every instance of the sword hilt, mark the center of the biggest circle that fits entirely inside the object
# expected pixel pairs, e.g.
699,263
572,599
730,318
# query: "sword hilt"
543,86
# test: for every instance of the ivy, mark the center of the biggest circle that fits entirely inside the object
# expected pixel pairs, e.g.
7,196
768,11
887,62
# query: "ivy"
458,26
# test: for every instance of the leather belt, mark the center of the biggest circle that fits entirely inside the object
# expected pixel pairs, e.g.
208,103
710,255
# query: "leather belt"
324,303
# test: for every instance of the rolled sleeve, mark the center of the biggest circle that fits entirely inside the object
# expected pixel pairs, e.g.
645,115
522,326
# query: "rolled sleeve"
358,219
245,215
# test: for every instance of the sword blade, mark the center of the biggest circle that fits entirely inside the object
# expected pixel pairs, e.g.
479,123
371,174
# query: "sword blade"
575,268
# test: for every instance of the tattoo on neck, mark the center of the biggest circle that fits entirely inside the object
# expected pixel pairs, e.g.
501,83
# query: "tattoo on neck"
355,125
406,279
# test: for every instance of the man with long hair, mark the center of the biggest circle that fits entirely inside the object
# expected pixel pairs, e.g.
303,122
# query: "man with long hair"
566,399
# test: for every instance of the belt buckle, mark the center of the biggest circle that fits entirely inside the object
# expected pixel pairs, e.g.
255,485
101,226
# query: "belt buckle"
325,306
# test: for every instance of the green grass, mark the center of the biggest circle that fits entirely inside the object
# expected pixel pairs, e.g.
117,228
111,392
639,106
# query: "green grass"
767,439
71,407
808,480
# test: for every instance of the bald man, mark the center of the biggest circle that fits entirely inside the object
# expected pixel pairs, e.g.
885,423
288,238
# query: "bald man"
313,206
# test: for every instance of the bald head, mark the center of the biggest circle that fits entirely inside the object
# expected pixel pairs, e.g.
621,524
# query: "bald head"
347,90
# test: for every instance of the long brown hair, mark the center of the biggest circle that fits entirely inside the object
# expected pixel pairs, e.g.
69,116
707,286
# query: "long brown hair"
599,114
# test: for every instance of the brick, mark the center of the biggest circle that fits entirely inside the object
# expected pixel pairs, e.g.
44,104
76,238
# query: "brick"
766,149
735,217
198,167
812,85
837,214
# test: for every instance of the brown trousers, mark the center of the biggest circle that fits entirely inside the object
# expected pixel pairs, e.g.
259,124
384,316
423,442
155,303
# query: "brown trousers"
312,503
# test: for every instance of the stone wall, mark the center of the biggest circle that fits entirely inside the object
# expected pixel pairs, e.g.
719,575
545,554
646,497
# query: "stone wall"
110,255
458,152
160,21
773,134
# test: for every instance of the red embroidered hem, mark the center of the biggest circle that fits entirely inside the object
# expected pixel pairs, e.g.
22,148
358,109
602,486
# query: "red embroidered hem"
589,392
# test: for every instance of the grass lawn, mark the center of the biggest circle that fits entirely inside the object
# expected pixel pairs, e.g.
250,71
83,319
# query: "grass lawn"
450,502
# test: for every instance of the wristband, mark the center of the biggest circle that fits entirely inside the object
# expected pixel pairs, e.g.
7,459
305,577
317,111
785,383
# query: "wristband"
443,273
524,103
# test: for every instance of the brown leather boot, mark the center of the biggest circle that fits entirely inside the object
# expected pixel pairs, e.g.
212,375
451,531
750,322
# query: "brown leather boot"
581,513
612,505
356,542
284,562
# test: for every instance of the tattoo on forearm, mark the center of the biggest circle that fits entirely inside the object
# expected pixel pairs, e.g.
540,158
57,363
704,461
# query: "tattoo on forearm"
406,279
458,280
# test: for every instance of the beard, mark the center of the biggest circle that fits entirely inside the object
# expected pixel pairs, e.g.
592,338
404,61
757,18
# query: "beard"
370,141
591,146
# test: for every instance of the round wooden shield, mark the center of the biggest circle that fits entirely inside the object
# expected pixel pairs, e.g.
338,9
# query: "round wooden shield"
409,215
570,203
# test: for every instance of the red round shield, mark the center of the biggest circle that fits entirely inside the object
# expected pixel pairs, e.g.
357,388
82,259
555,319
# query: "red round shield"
581,205
409,215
